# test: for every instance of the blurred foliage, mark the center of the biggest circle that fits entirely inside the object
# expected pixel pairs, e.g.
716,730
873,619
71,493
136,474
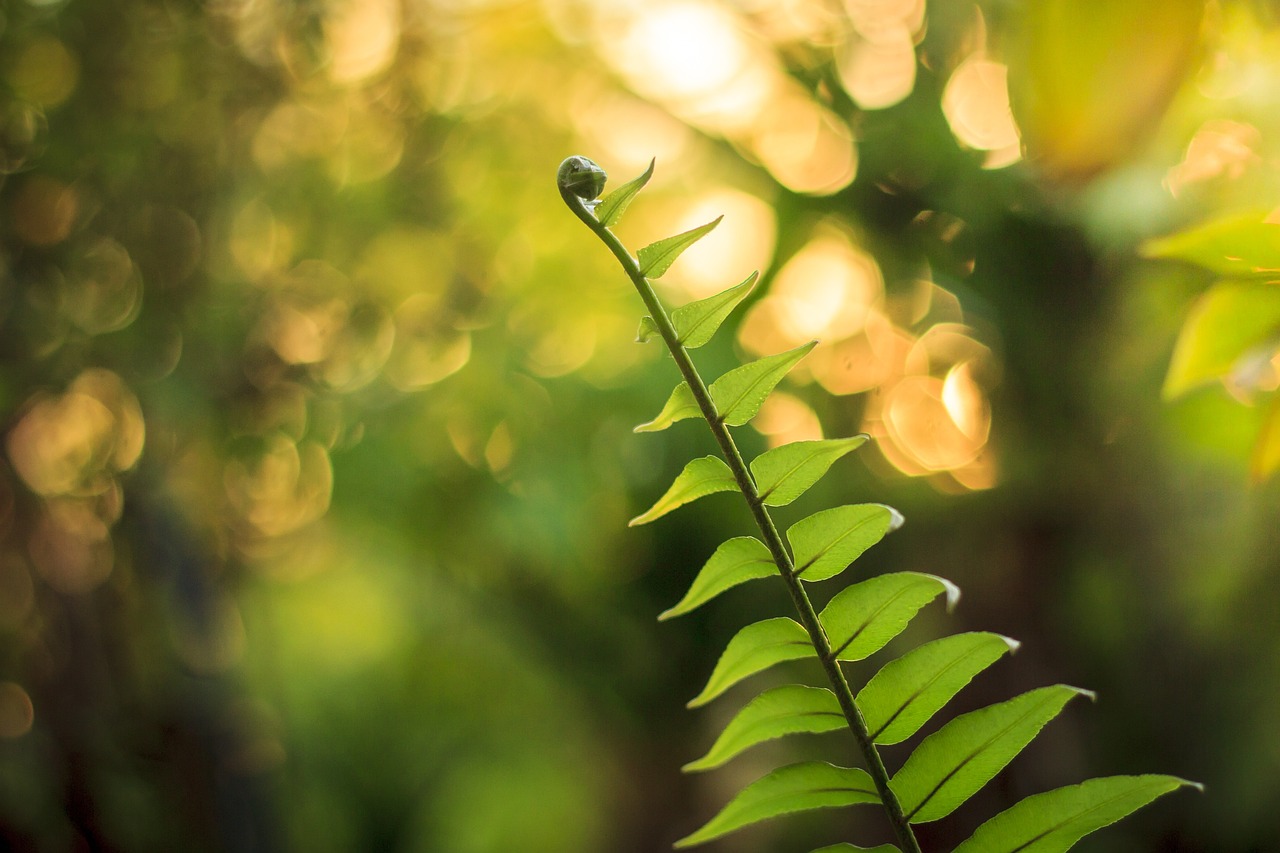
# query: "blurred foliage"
317,406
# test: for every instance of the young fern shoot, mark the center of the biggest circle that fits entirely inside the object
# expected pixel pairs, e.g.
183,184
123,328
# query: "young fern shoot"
948,766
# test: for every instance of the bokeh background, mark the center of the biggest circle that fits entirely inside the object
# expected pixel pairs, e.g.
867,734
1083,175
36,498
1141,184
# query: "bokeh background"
317,404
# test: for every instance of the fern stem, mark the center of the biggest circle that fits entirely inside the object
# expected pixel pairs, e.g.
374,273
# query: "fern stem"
768,530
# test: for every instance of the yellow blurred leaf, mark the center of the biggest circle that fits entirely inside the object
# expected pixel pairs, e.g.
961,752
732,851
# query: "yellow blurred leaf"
1089,82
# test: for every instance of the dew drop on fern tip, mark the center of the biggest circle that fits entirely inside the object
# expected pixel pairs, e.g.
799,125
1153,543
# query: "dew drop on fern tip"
582,177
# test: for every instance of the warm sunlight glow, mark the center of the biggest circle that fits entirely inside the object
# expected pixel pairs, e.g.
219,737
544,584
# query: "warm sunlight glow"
805,147
784,418
1221,149
976,104
921,425
825,291
879,74
685,53
16,711
863,362
43,211
362,37
743,241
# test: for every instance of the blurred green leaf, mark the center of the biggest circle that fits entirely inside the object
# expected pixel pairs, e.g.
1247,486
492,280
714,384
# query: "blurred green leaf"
754,649
1265,459
1074,119
739,393
1227,321
1241,244
786,710
953,763
701,477
1054,821
679,406
825,543
785,473
741,559
656,258
610,209
862,618
796,788
906,692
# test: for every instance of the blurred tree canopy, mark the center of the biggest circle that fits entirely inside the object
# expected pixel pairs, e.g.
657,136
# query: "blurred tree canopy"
317,406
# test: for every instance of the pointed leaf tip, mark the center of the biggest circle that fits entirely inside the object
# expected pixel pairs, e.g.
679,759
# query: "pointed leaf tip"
826,542
785,473
735,562
656,258
1052,822
955,762
863,618
610,209
907,692
697,322
679,406
754,649
787,710
739,393
795,788
701,477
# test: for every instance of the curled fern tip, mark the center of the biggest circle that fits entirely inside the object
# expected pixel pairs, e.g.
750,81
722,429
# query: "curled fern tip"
582,177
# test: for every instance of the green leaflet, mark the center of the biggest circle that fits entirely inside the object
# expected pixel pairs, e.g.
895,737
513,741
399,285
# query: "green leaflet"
704,476
656,258
1237,245
1054,821
862,618
680,405
754,649
1227,322
825,543
906,692
739,393
953,763
610,209
736,561
796,788
787,710
785,473
697,322
851,848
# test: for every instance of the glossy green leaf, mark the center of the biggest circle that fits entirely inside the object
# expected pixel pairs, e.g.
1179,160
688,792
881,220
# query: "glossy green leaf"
701,477
906,692
1241,244
785,473
796,788
953,763
1225,324
862,618
679,406
1054,821
787,710
656,258
825,543
697,322
610,209
647,330
853,848
736,561
740,392
754,649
